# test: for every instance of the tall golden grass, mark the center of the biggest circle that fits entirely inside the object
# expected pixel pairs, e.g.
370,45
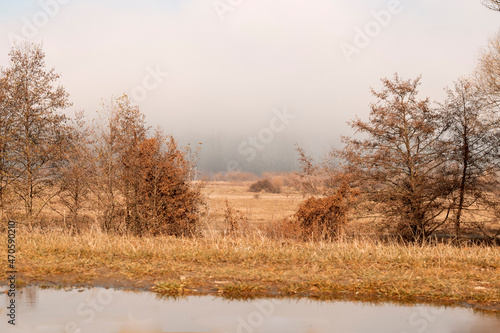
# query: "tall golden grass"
256,264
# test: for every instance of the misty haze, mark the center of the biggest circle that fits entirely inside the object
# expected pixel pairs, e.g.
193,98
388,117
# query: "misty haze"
250,166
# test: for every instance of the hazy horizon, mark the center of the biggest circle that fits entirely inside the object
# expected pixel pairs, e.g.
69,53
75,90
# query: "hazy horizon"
220,71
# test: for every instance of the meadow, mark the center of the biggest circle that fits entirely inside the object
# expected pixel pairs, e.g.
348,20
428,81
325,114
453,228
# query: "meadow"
252,261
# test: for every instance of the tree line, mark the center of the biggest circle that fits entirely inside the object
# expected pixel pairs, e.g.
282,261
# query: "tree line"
134,179
422,167
425,167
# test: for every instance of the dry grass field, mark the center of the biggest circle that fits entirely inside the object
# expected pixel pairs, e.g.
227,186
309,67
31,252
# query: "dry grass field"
258,208
255,265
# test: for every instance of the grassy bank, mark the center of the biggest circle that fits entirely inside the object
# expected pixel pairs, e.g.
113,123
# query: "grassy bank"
242,267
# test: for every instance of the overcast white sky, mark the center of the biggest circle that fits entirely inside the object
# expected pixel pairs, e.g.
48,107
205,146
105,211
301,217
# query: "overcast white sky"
227,75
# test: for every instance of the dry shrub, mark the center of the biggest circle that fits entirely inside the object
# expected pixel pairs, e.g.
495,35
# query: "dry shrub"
236,221
265,185
325,218
288,228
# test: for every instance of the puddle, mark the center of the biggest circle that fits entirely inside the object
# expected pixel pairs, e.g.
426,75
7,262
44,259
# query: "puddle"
101,310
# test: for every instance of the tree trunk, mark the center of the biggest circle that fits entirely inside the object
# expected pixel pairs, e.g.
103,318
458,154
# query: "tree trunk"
462,186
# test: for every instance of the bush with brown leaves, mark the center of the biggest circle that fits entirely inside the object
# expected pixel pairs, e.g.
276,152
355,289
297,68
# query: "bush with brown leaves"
265,185
325,218
167,202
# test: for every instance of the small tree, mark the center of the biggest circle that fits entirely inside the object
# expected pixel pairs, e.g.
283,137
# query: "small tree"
473,130
105,164
168,202
6,163
131,131
488,72
488,79
141,185
38,133
400,162
73,186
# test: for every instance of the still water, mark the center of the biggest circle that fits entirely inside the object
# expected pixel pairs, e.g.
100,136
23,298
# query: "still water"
99,310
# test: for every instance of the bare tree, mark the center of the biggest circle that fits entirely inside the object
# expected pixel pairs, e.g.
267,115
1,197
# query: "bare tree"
5,166
105,180
38,133
131,130
399,164
473,129
73,185
492,4
488,71
119,131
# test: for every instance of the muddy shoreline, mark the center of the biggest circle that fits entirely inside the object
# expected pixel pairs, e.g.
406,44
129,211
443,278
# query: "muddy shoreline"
217,289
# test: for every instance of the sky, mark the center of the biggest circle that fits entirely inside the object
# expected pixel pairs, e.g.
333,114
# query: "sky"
249,79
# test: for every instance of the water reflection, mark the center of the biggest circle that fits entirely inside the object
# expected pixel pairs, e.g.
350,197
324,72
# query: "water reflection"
101,310
26,297
30,296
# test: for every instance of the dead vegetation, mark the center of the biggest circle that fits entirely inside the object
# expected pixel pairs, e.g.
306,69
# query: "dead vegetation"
354,268
114,174
118,175
325,218
122,203
265,185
